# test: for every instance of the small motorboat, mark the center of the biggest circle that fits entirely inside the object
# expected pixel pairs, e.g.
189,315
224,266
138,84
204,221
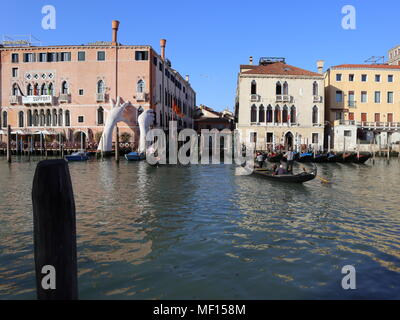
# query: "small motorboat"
320,158
346,157
294,178
305,157
135,156
77,156
362,158
274,157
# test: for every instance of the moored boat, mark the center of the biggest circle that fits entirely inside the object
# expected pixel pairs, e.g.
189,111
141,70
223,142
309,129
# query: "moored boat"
332,157
135,156
77,156
346,157
274,157
320,158
294,178
362,158
305,157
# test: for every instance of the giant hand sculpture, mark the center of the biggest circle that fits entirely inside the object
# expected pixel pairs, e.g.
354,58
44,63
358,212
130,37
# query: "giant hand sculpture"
146,119
114,116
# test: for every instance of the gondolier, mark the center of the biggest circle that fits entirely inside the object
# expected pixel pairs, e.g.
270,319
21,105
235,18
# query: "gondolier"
290,158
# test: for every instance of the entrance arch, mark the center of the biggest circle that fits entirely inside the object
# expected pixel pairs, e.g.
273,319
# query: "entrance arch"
80,139
288,140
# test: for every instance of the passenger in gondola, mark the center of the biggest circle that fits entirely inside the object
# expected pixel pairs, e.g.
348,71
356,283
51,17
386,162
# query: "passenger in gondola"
281,170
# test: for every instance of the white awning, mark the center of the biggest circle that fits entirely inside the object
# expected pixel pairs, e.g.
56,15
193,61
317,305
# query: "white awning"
20,132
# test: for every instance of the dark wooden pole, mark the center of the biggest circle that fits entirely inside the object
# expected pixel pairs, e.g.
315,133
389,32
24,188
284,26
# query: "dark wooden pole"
9,143
117,144
54,229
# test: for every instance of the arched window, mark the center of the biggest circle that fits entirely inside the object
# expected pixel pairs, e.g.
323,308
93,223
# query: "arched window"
5,122
15,91
100,86
140,86
100,115
29,90
269,114
293,114
50,89
285,88
261,114
253,114
315,115
60,117
48,118
30,118
35,118
67,119
21,119
64,87
277,115
43,89
36,89
253,87
285,114
278,88
42,118
315,88
54,117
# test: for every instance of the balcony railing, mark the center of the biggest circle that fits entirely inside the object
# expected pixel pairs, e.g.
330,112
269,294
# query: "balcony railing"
64,97
284,98
254,98
369,125
15,100
38,100
317,99
100,97
141,96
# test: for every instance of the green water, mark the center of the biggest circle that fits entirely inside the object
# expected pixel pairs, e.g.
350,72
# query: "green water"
200,232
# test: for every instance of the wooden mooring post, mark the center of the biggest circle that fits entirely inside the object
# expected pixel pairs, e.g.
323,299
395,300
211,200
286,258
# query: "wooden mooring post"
117,144
54,231
9,144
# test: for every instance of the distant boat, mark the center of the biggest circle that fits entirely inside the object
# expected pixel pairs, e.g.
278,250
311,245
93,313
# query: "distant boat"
320,158
295,178
305,157
135,156
362,158
77,156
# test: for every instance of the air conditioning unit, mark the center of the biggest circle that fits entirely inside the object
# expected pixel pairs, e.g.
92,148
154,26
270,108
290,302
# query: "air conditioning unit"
64,98
140,96
100,97
254,98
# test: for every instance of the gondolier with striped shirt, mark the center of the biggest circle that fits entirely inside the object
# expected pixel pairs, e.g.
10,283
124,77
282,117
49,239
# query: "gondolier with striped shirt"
289,157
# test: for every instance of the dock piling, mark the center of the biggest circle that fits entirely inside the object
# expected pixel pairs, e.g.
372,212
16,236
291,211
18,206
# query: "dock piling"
9,144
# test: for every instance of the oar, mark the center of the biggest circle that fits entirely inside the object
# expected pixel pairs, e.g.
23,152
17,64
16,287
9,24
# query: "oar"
320,178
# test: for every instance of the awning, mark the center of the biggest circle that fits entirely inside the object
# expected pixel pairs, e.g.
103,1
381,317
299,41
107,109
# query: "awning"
44,132
20,132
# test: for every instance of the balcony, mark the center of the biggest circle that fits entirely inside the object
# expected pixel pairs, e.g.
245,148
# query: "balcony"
15,100
141,96
64,98
101,97
370,125
317,99
254,98
284,98
38,100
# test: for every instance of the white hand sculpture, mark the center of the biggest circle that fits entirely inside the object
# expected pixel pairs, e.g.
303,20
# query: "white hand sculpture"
146,119
114,116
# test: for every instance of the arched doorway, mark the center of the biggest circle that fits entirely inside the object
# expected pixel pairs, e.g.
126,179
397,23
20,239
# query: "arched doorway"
288,140
80,139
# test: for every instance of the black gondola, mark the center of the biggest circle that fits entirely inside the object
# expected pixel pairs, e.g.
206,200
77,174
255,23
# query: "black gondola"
332,157
305,157
294,178
346,157
275,157
361,158
320,158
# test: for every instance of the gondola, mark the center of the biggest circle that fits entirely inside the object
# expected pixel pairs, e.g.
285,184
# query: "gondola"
331,157
135,156
274,157
346,157
294,178
77,156
320,158
305,157
361,158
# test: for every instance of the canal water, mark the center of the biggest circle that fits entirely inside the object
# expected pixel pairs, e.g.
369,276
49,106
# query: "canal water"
201,232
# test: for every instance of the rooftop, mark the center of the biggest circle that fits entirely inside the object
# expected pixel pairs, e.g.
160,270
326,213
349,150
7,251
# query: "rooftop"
366,66
280,68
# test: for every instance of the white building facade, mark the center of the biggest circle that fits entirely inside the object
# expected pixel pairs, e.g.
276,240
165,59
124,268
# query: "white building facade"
279,106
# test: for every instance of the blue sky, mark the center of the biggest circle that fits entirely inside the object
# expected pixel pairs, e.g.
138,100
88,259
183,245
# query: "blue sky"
210,39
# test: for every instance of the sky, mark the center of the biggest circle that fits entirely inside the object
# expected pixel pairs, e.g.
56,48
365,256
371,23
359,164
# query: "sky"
208,40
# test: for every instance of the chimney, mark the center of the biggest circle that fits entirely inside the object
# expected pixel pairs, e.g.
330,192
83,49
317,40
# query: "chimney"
114,25
187,78
251,60
163,42
320,66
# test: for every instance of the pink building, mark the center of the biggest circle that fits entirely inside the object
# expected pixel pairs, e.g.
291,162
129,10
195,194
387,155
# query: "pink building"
67,89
